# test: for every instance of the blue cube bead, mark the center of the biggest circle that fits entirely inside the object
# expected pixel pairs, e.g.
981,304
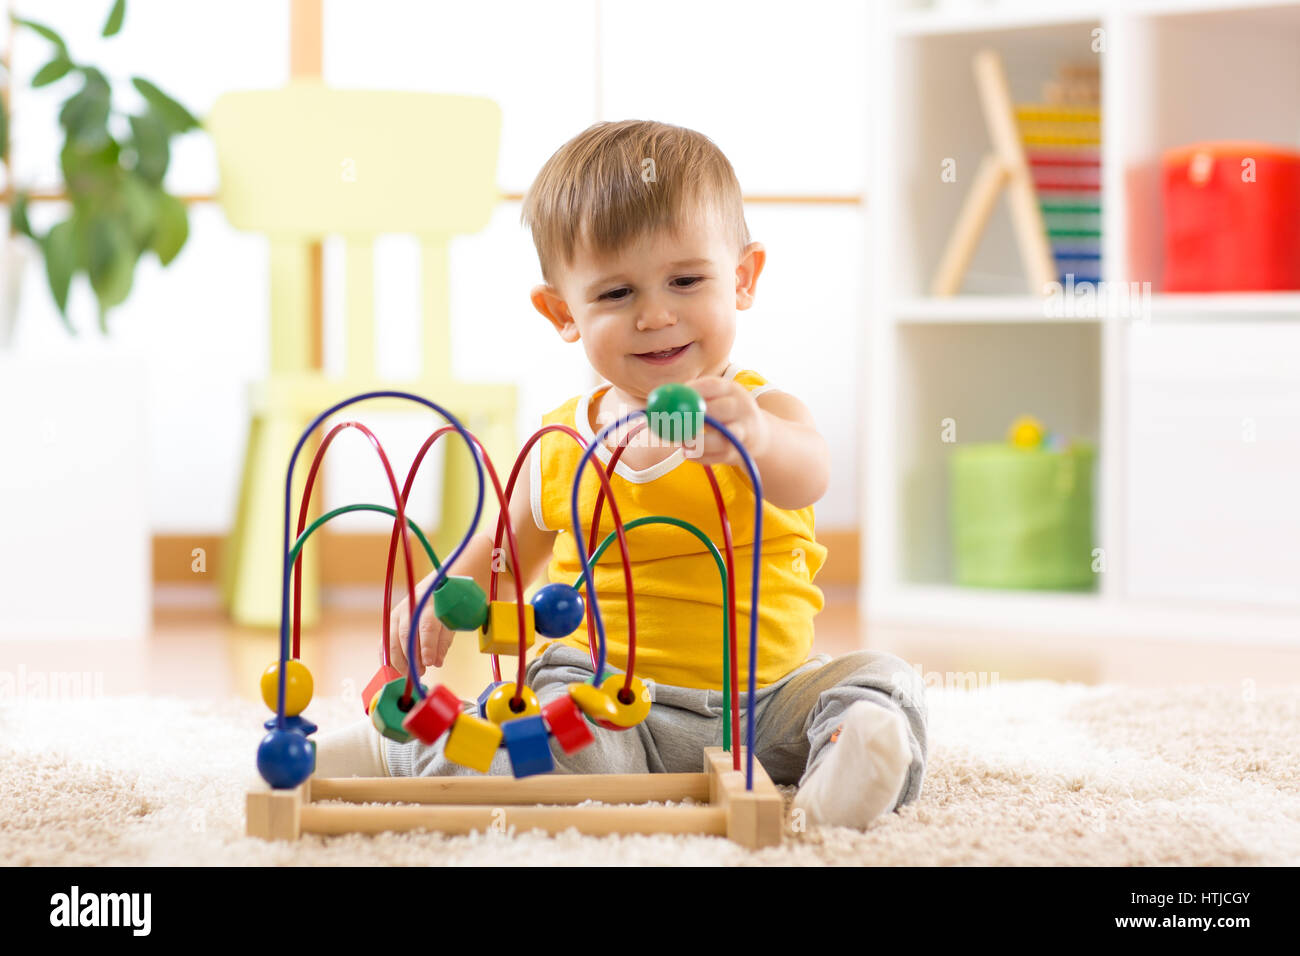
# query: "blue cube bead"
527,741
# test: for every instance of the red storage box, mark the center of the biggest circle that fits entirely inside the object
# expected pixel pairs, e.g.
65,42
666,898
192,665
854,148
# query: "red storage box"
1231,225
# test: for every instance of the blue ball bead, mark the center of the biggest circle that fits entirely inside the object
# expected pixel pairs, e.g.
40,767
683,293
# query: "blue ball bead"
557,610
299,725
284,759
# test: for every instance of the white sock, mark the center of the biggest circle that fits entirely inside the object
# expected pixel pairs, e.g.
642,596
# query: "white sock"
353,751
864,772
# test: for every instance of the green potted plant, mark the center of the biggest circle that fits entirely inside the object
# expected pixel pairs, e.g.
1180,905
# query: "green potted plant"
113,180
84,431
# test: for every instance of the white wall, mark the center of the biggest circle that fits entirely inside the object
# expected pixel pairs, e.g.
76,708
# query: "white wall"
782,91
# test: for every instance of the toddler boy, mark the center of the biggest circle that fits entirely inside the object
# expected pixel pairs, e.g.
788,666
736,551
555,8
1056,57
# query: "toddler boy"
646,258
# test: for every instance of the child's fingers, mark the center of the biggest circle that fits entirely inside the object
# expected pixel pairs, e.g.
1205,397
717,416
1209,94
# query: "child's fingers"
396,651
715,448
444,644
724,408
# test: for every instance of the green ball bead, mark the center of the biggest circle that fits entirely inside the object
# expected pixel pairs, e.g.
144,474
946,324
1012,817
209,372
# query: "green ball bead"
676,412
460,604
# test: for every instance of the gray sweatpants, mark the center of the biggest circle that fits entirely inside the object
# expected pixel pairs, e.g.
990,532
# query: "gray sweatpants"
793,721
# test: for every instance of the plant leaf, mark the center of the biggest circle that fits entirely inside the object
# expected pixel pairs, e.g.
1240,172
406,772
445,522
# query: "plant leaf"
18,215
112,261
56,69
115,17
91,169
45,32
172,115
152,151
85,114
172,227
140,206
59,246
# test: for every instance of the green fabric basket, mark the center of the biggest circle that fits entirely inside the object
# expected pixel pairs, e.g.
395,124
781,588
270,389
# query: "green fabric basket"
1022,517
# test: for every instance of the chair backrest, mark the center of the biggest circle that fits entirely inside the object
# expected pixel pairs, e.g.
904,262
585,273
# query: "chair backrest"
306,161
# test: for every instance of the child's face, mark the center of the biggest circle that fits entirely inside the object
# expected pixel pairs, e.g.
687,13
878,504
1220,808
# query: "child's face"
658,294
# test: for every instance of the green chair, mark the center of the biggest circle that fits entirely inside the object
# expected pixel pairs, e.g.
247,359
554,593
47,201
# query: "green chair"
301,163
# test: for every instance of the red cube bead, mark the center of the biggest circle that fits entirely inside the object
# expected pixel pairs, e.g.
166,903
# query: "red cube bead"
431,717
566,722
386,674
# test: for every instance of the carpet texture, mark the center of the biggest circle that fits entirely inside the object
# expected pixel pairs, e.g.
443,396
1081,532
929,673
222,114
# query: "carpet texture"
1024,773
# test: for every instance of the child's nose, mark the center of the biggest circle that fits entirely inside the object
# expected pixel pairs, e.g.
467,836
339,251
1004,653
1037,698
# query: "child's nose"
656,318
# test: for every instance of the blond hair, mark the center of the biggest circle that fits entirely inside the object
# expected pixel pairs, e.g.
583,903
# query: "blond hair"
614,182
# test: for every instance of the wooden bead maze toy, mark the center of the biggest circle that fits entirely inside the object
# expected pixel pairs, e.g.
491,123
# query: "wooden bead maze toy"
743,806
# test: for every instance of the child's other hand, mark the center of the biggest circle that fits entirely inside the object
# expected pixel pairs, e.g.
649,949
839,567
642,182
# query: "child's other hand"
435,637
731,404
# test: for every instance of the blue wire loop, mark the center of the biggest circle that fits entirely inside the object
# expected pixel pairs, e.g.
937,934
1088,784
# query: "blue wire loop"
442,571
757,485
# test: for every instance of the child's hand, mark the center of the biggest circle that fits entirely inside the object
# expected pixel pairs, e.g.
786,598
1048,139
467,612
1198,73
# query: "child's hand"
435,637
731,404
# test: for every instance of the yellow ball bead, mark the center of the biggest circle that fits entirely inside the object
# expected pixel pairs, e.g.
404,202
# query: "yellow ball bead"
498,707
297,687
1026,432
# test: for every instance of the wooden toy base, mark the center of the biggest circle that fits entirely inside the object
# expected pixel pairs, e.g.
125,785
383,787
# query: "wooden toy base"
751,818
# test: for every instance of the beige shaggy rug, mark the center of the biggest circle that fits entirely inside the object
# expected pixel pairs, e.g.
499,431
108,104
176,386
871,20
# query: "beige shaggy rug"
1025,773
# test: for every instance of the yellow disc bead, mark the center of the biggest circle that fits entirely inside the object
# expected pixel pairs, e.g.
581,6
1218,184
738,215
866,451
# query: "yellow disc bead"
593,702
628,715
297,687
498,707
1026,432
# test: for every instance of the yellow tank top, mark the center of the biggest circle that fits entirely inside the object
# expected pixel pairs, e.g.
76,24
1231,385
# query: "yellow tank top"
679,593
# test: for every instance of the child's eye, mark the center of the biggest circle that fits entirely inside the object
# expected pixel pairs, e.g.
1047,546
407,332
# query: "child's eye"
614,296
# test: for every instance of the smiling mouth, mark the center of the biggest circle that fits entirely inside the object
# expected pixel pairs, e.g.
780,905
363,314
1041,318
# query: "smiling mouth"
663,355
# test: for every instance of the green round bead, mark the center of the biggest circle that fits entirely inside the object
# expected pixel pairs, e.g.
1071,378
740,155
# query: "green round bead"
387,714
460,604
676,412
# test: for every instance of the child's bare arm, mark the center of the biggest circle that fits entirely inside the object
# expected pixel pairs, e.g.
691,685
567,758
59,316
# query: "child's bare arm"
795,466
475,561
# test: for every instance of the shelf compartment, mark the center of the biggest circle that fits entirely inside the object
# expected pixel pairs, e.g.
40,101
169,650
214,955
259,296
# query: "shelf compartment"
969,382
938,126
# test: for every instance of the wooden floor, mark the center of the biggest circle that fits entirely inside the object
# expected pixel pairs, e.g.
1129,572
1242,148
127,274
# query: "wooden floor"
195,651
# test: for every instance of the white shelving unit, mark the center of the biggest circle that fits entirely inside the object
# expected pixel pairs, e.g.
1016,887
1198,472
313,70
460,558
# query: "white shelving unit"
1193,404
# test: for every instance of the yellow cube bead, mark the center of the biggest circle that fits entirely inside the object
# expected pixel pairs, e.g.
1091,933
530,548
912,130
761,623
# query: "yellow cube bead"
500,635
473,742
498,707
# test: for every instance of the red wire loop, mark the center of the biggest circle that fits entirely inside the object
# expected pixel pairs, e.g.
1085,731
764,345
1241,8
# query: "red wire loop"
401,523
510,542
731,586
605,491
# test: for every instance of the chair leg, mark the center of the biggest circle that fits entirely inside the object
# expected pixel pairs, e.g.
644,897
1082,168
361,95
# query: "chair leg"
254,572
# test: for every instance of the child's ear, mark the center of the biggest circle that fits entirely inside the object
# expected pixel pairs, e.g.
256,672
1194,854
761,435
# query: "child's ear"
748,270
548,301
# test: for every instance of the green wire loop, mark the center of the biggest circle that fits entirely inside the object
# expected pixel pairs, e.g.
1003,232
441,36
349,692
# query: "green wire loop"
307,532
726,616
